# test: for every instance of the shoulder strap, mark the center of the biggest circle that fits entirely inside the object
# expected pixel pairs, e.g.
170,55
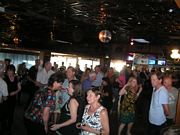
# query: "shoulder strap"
100,109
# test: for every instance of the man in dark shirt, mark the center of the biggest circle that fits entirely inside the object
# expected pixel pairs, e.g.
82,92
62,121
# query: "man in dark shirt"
30,86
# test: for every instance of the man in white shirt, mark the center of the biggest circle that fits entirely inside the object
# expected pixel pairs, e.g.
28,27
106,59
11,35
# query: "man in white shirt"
44,74
159,108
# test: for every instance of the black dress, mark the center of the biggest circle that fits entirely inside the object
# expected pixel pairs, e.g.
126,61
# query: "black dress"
65,115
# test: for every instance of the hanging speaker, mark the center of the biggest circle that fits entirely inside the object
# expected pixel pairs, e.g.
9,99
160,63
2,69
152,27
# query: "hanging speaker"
178,3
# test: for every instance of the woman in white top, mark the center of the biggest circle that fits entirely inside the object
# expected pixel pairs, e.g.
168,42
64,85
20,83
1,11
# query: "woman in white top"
95,119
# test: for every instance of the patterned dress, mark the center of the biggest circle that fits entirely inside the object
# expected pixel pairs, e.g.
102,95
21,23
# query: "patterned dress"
127,109
93,120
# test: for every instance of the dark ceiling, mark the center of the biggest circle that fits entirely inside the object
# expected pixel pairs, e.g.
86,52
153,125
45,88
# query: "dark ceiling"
69,25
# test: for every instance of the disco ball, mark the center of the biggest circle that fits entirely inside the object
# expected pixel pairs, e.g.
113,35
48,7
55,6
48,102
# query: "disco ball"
105,36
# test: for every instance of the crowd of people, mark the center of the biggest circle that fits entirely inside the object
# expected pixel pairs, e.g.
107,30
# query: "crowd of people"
68,101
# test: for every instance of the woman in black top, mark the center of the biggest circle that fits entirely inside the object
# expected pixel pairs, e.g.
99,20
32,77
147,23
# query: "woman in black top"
72,111
14,87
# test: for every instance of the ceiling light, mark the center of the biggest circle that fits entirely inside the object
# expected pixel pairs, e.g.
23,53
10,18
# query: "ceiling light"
175,54
140,40
170,10
107,56
130,18
16,40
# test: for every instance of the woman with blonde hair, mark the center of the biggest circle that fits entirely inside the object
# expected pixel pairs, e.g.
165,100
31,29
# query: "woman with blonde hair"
131,92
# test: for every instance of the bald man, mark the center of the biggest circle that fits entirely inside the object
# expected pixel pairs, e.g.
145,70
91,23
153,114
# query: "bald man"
173,97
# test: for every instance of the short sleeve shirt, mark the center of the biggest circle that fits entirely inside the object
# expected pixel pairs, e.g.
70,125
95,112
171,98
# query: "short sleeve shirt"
173,97
43,76
156,113
43,98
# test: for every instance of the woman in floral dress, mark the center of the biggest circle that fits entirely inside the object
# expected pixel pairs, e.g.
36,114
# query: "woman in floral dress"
131,92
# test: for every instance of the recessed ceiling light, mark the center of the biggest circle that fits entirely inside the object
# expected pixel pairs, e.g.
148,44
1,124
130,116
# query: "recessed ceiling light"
107,56
106,4
130,18
170,10
140,40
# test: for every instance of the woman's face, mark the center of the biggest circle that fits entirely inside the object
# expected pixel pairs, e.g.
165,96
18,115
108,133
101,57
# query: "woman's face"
104,83
134,83
70,73
70,89
88,71
91,97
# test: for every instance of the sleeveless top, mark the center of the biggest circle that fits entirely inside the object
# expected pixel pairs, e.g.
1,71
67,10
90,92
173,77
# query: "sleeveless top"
65,115
11,86
93,120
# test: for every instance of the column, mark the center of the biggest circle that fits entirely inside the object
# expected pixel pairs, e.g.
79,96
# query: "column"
45,56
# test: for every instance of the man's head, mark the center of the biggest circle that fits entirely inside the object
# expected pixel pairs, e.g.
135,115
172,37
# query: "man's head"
47,65
167,82
2,68
98,69
92,75
7,61
37,62
156,79
70,73
57,78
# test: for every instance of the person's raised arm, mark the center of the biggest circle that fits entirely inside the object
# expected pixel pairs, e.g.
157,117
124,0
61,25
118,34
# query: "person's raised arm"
123,90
